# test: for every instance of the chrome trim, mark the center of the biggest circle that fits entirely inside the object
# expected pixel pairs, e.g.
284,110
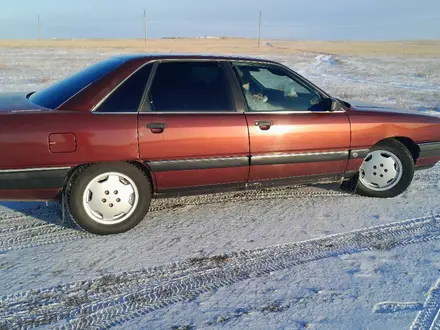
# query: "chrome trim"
309,157
429,149
197,163
293,112
34,169
114,113
325,177
430,144
226,162
238,112
190,112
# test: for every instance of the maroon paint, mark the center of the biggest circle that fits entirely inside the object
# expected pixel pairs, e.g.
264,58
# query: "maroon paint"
25,138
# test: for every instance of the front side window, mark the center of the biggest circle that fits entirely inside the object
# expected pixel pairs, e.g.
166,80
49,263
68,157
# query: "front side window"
269,87
190,86
127,97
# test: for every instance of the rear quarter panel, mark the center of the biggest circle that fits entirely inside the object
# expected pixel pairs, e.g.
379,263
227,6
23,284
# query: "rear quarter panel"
24,138
367,128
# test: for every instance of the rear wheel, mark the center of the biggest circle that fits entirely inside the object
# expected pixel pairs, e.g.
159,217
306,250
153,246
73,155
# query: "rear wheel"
387,170
109,198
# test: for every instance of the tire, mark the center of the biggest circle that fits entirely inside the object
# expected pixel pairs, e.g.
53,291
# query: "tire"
376,169
108,198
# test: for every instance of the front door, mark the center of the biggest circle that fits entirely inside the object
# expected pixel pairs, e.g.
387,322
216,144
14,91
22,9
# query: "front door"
292,133
190,134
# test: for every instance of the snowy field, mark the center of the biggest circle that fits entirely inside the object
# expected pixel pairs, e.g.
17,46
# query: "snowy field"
306,257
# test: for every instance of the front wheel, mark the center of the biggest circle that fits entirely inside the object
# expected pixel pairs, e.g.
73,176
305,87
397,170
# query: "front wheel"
109,198
387,170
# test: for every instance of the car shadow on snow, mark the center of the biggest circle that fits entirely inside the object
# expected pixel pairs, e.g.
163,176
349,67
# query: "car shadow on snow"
49,212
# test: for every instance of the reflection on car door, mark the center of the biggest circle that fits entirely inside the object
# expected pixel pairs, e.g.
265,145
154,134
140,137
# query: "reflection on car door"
292,135
190,134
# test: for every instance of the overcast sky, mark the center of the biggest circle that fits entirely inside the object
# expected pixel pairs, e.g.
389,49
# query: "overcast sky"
284,19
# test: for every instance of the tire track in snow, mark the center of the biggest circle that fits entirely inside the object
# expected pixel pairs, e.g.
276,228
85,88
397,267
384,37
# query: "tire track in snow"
429,317
393,307
54,235
6,214
298,191
113,299
10,221
23,229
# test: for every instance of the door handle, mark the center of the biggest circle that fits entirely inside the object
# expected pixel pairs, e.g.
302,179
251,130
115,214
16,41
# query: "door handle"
156,127
263,124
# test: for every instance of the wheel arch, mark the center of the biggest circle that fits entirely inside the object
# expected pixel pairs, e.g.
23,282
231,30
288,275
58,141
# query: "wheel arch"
413,148
74,171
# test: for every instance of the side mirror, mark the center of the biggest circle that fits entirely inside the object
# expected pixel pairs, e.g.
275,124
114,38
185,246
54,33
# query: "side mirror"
334,104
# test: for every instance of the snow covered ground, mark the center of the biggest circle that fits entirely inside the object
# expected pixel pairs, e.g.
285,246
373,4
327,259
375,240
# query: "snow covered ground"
291,258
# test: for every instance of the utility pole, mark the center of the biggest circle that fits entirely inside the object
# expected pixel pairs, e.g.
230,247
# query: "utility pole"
145,26
39,28
259,30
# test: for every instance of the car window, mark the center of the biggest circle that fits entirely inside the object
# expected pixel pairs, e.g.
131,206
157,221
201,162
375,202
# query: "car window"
268,87
127,97
190,86
56,94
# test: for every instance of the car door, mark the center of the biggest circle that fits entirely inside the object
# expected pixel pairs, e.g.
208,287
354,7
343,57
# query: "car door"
190,134
293,135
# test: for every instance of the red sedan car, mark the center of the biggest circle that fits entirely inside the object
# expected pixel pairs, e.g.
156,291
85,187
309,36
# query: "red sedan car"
112,136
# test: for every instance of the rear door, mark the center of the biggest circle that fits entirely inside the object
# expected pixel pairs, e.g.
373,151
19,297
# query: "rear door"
292,133
190,134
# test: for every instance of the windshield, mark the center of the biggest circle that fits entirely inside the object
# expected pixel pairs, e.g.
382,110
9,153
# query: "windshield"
58,93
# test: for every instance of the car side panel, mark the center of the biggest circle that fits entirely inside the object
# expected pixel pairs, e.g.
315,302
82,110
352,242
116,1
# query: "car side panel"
195,149
201,178
30,164
25,138
367,128
298,145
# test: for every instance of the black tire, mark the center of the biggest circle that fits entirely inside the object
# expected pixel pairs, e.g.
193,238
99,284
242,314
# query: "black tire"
78,184
404,155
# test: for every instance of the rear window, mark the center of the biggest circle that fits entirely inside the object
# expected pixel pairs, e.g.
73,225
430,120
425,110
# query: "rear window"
58,93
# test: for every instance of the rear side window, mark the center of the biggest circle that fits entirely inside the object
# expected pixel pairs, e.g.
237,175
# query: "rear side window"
58,93
190,86
127,97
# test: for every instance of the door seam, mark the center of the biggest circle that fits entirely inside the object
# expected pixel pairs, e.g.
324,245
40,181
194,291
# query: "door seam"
249,149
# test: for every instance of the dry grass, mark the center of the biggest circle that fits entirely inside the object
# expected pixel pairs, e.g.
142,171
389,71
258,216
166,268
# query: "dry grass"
239,46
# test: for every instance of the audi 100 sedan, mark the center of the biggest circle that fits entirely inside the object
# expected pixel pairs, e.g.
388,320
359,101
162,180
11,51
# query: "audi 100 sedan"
108,139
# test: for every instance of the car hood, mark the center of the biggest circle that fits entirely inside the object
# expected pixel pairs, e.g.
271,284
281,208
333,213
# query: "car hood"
16,102
373,107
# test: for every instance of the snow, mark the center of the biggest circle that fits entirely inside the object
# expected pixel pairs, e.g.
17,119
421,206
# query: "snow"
290,258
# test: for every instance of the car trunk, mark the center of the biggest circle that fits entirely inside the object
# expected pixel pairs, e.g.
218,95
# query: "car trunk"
17,101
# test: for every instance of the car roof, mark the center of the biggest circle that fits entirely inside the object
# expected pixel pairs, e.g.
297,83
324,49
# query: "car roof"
163,56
